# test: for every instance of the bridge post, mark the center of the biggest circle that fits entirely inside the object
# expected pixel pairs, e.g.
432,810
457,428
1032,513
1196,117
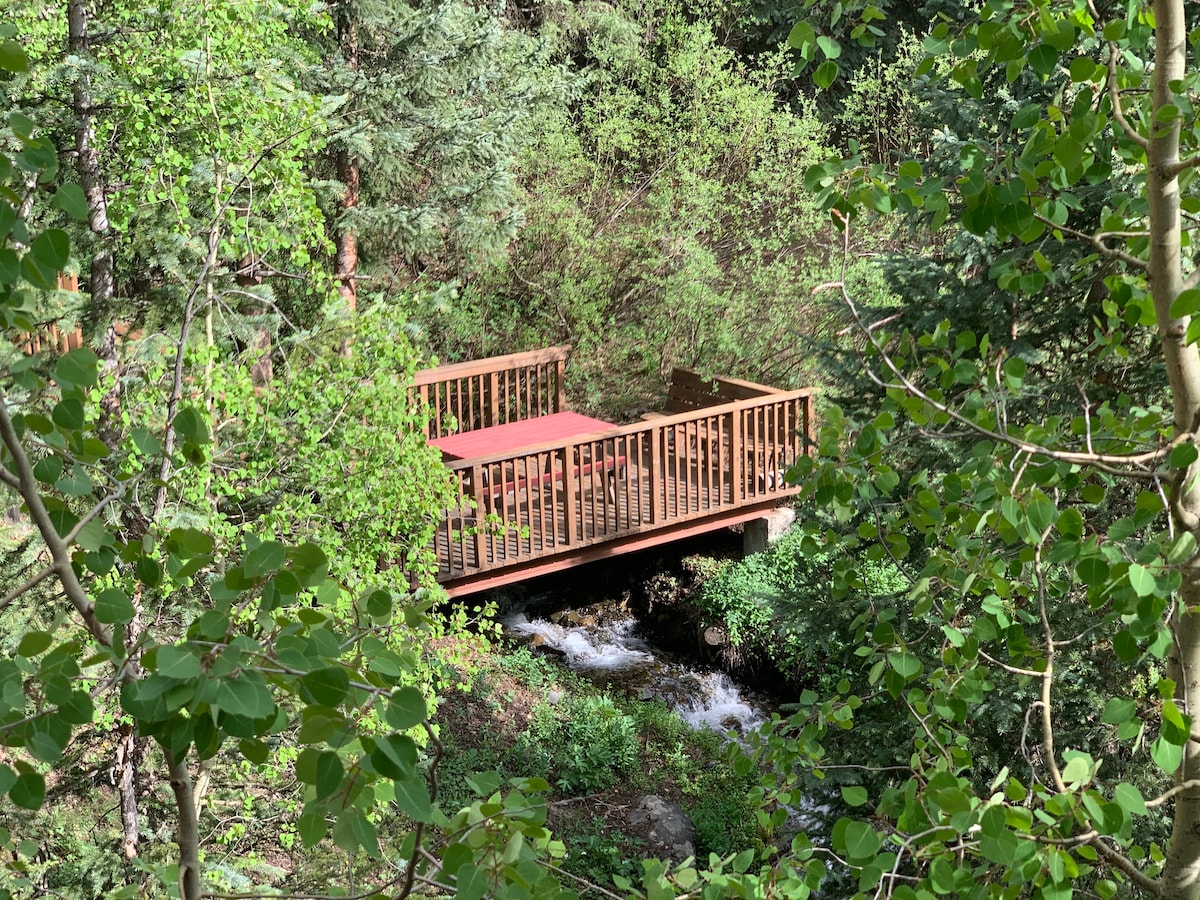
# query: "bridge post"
758,534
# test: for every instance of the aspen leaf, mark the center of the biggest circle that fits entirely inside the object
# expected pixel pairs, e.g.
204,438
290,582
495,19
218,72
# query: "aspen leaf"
29,790
113,606
1141,580
12,57
854,795
859,840
78,369
1166,755
406,709
826,74
412,796
1129,798
1118,710
34,642
69,198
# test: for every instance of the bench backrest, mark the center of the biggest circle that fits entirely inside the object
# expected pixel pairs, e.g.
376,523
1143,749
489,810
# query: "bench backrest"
690,391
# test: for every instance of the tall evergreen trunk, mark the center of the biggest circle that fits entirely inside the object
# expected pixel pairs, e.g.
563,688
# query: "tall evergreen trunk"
1181,873
102,289
346,241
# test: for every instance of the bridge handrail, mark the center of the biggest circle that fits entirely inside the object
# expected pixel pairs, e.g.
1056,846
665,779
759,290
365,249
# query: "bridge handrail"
481,393
659,423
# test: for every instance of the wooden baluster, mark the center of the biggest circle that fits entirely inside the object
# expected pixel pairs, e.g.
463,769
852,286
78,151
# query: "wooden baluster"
737,454
757,442
656,474
600,463
423,393
480,514
545,467
692,469
621,481
588,477
557,492
494,398
599,495
768,413
464,510
440,408
525,485
722,458
708,463
572,489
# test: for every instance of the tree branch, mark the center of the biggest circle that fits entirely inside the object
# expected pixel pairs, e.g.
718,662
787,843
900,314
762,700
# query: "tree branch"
1105,462
1183,165
1015,670
1177,789
1132,872
27,585
60,551
210,260
1114,96
1097,241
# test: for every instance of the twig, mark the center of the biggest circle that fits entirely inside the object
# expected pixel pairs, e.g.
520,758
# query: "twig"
27,585
1097,241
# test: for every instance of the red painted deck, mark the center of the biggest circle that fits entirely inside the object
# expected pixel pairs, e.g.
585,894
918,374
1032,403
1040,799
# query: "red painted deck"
527,510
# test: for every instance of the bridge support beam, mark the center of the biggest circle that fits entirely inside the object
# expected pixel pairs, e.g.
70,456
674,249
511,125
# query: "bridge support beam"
758,534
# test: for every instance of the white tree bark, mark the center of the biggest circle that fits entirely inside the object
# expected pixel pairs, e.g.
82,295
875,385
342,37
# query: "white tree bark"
1181,874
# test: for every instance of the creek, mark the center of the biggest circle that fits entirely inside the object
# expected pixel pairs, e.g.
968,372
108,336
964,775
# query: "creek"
602,644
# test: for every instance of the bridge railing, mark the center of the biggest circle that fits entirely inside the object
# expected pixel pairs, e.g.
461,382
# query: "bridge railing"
483,393
556,497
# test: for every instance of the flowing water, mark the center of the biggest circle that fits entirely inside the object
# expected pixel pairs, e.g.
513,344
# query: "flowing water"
609,651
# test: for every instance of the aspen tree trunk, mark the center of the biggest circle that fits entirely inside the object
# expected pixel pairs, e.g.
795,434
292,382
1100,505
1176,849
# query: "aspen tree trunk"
101,278
102,288
346,241
1181,873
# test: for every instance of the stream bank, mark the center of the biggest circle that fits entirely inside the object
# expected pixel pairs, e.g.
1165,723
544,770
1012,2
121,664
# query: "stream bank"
632,741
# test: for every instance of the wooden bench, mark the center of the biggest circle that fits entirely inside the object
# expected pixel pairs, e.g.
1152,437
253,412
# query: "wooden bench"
689,391
508,482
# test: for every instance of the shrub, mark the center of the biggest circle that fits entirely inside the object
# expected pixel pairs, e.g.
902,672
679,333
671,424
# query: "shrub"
780,604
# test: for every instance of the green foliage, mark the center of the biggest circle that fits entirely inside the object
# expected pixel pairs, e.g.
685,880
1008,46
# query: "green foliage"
664,225
434,102
1033,680
357,476
206,136
671,759
587,742
600,854
262,663
795,603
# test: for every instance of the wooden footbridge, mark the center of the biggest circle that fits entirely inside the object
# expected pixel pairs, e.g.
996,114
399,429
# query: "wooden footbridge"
540,488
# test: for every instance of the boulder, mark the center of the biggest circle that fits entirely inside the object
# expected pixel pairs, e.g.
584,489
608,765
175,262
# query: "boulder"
667,828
